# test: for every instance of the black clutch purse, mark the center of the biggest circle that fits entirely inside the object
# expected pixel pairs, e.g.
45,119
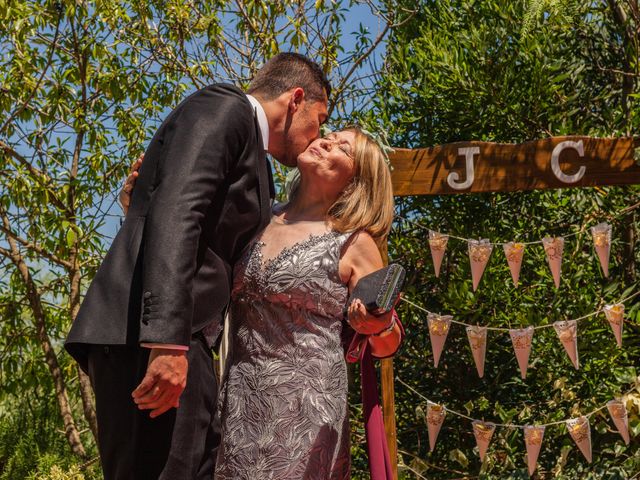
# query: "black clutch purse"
379,290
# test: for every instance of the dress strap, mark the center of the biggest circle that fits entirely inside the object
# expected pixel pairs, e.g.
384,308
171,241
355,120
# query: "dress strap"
342,239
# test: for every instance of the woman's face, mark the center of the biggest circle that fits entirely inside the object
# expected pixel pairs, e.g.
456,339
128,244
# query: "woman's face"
329,160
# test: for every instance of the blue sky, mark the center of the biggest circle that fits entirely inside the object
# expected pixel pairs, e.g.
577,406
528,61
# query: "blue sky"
357,15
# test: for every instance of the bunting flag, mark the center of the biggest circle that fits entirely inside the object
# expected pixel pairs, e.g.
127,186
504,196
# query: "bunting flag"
477,336
602,242
479,253
533,436
568,334
514,253
521,339
620,418
435,419
581,433
615,317
438,245
553,247
438,331
483,431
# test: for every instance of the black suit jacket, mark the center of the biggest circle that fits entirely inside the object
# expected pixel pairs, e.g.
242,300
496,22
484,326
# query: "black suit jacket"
202,193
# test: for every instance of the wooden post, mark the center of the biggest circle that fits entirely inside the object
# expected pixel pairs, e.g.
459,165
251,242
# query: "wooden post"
388,398
389,411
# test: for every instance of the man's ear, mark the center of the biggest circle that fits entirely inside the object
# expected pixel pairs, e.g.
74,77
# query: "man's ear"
296,99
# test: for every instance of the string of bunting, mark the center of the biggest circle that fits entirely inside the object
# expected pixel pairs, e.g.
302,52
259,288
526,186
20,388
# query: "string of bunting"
578,427
480,251
521,338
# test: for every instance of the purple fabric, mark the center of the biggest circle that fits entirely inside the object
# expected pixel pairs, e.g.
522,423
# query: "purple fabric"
379,461
377,448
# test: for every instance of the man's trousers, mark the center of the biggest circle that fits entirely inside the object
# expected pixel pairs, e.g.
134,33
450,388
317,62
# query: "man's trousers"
179,444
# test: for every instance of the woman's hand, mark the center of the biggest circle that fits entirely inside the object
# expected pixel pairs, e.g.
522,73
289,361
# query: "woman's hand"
361,257
385,340
364,322
124,197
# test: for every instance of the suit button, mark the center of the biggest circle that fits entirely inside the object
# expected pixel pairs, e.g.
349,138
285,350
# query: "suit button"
147,294
145,319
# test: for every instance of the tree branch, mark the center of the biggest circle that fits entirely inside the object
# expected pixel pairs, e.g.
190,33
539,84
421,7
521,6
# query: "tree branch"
37,174
50,357
32,246
354,66
341,86
52,48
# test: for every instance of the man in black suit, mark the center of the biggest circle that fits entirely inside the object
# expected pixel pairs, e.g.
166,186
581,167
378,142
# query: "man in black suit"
155,307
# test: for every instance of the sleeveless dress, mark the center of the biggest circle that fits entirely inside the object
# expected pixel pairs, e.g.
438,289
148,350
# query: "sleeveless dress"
284,398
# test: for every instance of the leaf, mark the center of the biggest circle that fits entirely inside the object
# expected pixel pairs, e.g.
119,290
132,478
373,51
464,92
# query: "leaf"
625,375
459,457
71,237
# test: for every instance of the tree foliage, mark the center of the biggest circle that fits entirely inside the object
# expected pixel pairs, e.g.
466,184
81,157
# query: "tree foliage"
83,86
467,70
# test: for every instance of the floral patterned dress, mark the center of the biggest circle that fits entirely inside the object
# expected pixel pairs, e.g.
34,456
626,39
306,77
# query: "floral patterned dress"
284,399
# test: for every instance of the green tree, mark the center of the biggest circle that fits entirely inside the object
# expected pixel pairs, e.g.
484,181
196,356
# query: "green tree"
83,86
468,70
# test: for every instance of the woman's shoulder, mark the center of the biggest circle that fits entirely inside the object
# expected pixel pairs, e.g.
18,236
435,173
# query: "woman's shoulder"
360,255
359,241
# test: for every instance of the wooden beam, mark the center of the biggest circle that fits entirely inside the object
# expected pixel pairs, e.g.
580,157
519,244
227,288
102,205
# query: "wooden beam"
389,411
584,161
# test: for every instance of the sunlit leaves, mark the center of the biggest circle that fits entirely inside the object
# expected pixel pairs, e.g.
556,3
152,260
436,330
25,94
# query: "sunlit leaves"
464,71
83,86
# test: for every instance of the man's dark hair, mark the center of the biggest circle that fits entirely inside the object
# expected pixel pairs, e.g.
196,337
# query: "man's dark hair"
286,71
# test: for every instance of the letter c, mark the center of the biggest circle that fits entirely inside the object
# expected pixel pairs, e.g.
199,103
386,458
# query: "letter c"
555,161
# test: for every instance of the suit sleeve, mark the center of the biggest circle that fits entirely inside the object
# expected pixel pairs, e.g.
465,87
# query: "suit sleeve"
200,146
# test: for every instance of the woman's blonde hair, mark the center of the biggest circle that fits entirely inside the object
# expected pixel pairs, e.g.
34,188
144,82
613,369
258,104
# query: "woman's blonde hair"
367,202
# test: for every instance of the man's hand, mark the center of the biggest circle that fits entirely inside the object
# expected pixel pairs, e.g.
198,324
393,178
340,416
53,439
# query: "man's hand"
164,381
124,197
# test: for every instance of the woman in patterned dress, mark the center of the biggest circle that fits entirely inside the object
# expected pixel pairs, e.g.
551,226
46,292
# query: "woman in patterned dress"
283,403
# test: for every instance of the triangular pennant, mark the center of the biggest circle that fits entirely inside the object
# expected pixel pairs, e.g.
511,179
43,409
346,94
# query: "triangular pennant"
479,253
619,415
581,434
435,419
483,431
615,317
438,331
602,242
568,335
521,339
438,245
477,336
533,436
514,253
553,247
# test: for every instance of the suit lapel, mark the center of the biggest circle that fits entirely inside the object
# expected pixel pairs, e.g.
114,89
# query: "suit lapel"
266,189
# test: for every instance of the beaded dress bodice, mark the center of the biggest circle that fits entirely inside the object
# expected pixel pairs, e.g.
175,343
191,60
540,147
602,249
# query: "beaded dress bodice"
284,399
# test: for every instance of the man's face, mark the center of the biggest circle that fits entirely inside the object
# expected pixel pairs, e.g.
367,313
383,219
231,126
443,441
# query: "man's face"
302,128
